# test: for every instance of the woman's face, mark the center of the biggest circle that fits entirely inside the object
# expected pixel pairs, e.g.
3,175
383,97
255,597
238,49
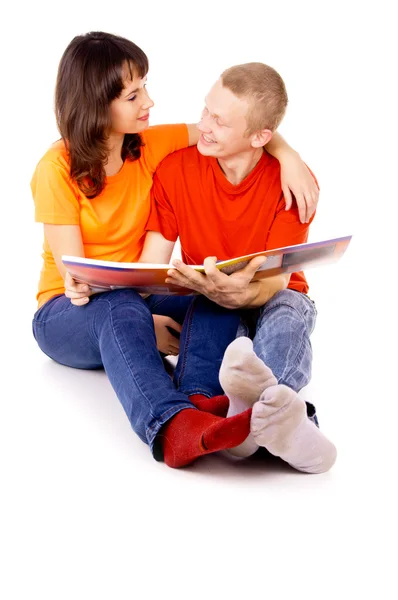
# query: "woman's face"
130,112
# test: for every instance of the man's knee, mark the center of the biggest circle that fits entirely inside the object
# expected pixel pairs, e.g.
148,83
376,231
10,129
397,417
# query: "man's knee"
291,298
289,305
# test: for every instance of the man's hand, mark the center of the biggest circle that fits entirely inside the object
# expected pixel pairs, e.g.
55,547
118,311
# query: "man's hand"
166,342
296,179
78,293
230,291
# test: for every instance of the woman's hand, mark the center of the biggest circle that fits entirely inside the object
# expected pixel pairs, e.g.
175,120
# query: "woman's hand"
78,293
296,179
166,342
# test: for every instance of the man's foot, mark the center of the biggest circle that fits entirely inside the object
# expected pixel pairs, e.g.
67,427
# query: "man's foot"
280,424
243,377
275,417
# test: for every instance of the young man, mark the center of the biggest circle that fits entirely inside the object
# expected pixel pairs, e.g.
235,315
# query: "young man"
224,199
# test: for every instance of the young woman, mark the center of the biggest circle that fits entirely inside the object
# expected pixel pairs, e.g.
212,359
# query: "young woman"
91,191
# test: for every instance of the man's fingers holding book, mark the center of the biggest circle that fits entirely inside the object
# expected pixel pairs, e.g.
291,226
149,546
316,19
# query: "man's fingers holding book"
184,275
250,269
211,270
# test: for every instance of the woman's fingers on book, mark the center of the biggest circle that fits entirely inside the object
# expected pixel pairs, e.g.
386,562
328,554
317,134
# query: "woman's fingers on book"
80,301
78,293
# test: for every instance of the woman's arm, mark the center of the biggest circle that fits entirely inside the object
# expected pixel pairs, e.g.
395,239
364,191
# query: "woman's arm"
296,178
156,249
193,134
67,239
63,239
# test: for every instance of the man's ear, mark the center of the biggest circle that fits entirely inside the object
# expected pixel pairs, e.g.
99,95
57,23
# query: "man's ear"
261,138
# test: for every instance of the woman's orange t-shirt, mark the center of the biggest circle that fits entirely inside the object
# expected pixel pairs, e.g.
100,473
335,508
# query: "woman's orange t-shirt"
112,224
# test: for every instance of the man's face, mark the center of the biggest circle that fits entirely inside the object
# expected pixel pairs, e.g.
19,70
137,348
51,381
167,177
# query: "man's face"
223,124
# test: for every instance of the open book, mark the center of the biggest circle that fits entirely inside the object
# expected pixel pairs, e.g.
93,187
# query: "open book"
150,278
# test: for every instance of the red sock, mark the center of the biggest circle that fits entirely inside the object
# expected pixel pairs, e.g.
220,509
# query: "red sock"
217,405
192,433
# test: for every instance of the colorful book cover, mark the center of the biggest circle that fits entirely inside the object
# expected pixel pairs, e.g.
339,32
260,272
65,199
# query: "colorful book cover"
292,258
150,278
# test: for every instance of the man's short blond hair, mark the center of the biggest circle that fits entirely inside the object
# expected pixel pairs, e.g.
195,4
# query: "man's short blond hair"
265,90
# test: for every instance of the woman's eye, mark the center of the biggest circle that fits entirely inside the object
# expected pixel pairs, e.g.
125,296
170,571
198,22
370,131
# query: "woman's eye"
132,98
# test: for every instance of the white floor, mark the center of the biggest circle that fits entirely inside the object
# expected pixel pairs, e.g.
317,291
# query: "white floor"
85,512
89,514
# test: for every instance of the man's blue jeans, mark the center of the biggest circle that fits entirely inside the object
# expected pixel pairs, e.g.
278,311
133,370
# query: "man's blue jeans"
115,331
282,338
281,332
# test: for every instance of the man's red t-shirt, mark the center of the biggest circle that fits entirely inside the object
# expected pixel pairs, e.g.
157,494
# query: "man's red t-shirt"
193,200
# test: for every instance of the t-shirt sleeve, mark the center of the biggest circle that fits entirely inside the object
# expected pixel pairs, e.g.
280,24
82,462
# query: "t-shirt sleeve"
161,140
162,216
287,230
56,201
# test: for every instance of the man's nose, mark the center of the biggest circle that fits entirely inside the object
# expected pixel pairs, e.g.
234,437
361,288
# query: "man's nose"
204,124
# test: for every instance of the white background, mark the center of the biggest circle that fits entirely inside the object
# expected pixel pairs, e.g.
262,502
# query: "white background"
86,511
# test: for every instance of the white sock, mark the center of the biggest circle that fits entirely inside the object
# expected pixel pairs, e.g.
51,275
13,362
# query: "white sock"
243,377
280,424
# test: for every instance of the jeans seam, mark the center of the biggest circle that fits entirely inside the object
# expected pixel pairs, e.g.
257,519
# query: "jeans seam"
48,319
157,304
188,319
94,339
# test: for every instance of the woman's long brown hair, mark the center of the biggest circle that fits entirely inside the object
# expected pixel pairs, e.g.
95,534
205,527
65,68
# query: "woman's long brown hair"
90,76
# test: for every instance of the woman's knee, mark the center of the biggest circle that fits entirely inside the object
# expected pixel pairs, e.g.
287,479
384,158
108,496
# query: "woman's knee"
123,309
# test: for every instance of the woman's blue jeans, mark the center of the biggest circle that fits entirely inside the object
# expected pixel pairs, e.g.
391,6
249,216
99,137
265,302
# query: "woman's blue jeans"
115,331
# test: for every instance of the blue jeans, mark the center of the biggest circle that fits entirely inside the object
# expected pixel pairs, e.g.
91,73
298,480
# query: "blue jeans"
115,331
282,340
281,331
207,331
282,337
